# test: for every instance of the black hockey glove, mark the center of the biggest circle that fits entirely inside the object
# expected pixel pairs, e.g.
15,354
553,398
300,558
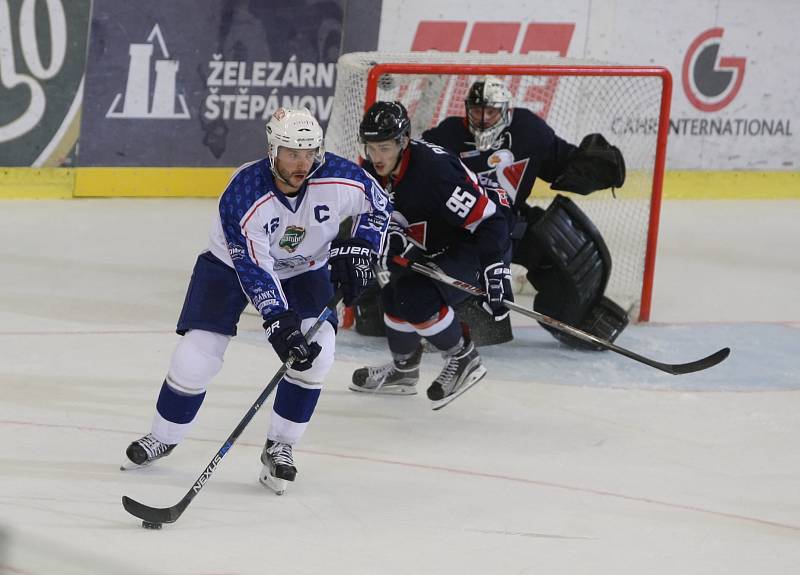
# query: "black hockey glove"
283,332
497,285
596,165
395,244
351,267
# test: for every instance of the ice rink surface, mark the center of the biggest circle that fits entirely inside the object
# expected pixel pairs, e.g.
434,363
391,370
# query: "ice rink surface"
558,462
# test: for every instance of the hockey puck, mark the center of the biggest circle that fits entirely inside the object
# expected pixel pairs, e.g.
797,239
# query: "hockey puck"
148,525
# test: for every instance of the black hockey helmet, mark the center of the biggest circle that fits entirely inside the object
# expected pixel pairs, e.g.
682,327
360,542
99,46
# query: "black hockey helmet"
384,121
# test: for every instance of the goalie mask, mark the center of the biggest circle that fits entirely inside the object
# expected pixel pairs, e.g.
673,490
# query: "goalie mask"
297,130
488,110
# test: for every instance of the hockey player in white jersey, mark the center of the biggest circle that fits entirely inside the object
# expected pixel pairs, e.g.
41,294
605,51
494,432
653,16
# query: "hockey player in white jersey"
271,244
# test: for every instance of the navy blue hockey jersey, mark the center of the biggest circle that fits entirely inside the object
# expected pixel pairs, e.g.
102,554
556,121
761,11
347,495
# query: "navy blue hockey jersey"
441,204
530,149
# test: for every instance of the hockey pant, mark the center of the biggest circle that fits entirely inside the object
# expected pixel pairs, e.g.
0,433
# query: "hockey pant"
416,306
198,357
211,311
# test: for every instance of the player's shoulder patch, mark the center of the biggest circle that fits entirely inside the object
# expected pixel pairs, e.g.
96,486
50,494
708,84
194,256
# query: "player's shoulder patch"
248,171
247,182
339,167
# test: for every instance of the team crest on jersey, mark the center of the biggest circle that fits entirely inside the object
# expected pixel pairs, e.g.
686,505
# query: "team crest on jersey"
418,233
292,238
500,158
507,172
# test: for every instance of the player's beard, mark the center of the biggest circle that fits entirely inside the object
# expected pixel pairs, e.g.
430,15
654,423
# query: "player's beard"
294,179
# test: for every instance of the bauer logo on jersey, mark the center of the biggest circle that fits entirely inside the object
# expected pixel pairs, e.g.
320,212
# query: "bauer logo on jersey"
292,238
236,251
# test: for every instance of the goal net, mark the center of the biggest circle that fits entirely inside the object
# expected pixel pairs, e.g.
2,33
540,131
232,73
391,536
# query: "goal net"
628,105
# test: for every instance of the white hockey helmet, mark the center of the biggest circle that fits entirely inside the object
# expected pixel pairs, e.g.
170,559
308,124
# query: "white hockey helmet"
297,129
490,92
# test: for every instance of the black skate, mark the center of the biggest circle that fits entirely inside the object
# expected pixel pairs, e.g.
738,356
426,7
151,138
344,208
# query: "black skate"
278,466
145,451
398,377
462,370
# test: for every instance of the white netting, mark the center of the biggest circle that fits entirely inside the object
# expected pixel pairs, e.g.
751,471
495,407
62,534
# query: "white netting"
573,100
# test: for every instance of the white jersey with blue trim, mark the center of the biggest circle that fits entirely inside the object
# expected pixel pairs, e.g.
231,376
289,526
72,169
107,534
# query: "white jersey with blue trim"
267,236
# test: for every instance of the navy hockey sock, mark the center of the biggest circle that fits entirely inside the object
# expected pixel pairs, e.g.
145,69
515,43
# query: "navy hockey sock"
448,338
402,343
178,407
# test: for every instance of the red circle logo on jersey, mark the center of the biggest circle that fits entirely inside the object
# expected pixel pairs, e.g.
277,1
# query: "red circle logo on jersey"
711,81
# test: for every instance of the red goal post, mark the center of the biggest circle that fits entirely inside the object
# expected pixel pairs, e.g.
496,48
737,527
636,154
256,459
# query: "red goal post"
629,105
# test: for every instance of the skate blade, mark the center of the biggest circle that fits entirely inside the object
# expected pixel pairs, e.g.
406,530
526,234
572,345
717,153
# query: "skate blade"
473,378
272,483
386,389
130,465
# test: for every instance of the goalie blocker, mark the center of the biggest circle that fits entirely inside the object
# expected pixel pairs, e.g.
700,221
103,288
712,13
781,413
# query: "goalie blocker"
569,265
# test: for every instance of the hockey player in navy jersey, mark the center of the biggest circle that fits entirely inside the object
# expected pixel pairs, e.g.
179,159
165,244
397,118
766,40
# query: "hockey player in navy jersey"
514,146
271,244
442,217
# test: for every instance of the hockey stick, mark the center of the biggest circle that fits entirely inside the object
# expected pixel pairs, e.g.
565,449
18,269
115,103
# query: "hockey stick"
158,515
671,368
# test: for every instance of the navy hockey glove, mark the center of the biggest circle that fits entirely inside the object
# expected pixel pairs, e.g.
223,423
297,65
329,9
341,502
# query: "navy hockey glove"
497,284
351,267
395,244
283,332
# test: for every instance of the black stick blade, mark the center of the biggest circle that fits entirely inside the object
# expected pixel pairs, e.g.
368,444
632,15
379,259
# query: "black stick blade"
701,364
152,514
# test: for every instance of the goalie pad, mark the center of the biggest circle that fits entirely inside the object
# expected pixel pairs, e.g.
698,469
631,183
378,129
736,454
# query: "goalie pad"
605,320
596,165
569,265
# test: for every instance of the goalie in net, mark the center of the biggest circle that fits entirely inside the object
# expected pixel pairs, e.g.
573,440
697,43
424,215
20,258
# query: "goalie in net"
566,258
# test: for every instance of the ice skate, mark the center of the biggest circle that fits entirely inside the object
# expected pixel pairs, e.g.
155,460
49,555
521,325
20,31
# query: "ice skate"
462,370
145,451
398,377
278,466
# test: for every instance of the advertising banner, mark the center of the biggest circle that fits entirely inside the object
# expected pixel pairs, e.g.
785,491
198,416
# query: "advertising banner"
734,105
42,58
192,82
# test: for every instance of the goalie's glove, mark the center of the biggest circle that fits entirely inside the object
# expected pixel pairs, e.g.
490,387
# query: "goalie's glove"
395,244
497,285
595,165
351,267
283,332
